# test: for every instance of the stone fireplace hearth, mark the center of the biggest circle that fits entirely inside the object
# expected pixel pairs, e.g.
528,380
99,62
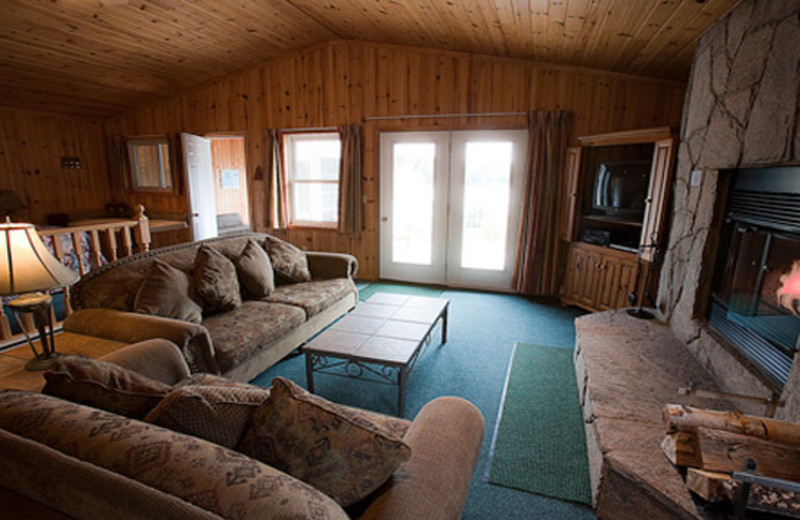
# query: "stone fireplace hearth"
741,111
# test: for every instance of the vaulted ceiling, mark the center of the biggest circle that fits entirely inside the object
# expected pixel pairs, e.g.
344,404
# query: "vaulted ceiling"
101,57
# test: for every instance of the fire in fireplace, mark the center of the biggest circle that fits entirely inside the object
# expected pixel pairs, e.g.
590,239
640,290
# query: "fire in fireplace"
756,287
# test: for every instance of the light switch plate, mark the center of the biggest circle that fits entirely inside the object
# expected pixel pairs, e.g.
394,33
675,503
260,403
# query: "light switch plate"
697,178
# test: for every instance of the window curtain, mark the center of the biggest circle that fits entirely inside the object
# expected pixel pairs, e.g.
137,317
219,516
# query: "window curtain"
537,272
350,170
277,192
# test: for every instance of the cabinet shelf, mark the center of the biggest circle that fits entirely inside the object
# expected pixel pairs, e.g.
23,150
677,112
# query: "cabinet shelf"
606,219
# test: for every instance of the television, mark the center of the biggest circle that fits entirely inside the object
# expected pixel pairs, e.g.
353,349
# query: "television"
620,189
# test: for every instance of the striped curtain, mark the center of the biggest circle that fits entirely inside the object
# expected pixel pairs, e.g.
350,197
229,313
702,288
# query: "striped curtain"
537,270
350,169
277,187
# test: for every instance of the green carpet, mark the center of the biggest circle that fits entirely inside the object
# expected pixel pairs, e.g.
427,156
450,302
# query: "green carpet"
398,288
539,444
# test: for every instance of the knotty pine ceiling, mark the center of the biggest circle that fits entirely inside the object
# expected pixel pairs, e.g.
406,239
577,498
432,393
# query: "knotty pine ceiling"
98,58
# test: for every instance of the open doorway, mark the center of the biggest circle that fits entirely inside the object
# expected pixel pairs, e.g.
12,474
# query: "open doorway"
217,179
230,180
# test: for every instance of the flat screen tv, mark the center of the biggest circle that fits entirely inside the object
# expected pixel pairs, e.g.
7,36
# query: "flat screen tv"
620,189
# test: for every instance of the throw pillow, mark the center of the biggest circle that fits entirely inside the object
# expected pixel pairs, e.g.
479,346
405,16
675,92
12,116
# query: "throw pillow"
104,385
219,414
168,292
255,270
289,263
336,450
215,280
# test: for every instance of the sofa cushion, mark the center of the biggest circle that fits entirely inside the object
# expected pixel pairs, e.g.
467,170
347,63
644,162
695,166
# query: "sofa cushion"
104,385
335,449
218,413
313,297
289,263
167,291
242,333
227,483
255,270
215,280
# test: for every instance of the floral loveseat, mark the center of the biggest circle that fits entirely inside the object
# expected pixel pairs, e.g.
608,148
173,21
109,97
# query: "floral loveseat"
305,293
60,459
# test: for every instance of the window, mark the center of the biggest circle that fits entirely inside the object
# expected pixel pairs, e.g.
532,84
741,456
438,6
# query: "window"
149,161
312,170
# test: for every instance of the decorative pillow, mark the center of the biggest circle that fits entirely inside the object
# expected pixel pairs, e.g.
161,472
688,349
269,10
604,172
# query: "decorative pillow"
219,414
289,263
215,280
168,292
104,385
206,379
255,270
336,450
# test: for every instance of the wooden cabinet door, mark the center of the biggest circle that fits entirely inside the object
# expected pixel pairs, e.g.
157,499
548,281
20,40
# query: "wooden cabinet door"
576,259
618,280
589,281
569,215
655,215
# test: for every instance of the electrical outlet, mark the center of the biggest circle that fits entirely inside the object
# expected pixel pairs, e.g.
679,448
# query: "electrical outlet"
71,163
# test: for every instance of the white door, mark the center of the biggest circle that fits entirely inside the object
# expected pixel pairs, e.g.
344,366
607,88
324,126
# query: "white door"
451,206
202,197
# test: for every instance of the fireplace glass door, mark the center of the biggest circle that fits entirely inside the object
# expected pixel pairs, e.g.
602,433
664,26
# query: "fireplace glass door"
753,305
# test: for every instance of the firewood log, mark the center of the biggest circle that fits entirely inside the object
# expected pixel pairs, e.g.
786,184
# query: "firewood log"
685,418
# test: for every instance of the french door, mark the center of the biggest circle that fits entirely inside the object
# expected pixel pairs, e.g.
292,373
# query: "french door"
451,206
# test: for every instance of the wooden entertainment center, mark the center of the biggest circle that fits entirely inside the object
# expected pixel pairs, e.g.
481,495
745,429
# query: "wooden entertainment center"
612,245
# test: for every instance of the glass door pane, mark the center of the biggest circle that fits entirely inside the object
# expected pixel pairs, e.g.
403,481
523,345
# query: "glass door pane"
412,202
487,181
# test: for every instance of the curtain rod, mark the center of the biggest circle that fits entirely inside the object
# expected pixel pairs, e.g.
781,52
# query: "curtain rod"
313,129
437,116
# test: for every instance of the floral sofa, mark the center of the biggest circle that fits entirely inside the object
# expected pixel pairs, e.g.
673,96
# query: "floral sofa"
238,339
60,459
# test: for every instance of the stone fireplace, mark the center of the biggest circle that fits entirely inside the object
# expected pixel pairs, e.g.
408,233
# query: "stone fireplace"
741,112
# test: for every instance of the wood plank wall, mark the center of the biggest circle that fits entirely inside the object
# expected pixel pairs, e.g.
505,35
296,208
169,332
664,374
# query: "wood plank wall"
343,82
31,147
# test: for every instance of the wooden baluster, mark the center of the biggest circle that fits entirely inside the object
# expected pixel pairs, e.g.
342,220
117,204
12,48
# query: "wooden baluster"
78,248
96,254
58,252
5,326
111,235
142,230
127,243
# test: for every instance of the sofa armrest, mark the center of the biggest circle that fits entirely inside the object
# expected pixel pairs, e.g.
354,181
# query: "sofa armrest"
157,359
445,439
332,265
130,327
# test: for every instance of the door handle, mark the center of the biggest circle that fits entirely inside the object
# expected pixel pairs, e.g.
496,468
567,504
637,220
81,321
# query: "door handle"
384,219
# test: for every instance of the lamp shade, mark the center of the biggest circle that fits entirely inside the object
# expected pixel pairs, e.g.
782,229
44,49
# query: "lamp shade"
26,265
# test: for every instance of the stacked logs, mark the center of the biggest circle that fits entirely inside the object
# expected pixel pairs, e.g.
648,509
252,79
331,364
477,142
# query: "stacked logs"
712,445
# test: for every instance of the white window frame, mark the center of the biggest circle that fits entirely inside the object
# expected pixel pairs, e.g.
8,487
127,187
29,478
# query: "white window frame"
289,141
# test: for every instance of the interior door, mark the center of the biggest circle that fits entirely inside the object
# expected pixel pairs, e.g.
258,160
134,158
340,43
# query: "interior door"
199,172
451,206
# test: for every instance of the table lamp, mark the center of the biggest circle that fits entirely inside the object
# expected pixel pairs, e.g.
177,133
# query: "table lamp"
26,268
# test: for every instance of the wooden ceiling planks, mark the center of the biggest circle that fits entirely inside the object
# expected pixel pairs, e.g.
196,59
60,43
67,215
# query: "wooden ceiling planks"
102,57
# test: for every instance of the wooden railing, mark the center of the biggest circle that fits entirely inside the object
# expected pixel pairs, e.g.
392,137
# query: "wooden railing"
110,240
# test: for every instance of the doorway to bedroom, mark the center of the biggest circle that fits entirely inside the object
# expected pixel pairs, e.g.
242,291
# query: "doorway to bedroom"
451,206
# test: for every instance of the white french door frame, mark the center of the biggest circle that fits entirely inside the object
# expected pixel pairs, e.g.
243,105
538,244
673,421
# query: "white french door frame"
448,201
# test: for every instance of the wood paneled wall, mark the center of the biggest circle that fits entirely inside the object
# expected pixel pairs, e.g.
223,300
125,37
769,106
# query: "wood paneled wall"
344,82
31,147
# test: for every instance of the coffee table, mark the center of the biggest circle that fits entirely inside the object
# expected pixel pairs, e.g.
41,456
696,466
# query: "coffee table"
381,341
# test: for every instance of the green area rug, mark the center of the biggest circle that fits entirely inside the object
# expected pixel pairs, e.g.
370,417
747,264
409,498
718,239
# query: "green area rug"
539,444
398,288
